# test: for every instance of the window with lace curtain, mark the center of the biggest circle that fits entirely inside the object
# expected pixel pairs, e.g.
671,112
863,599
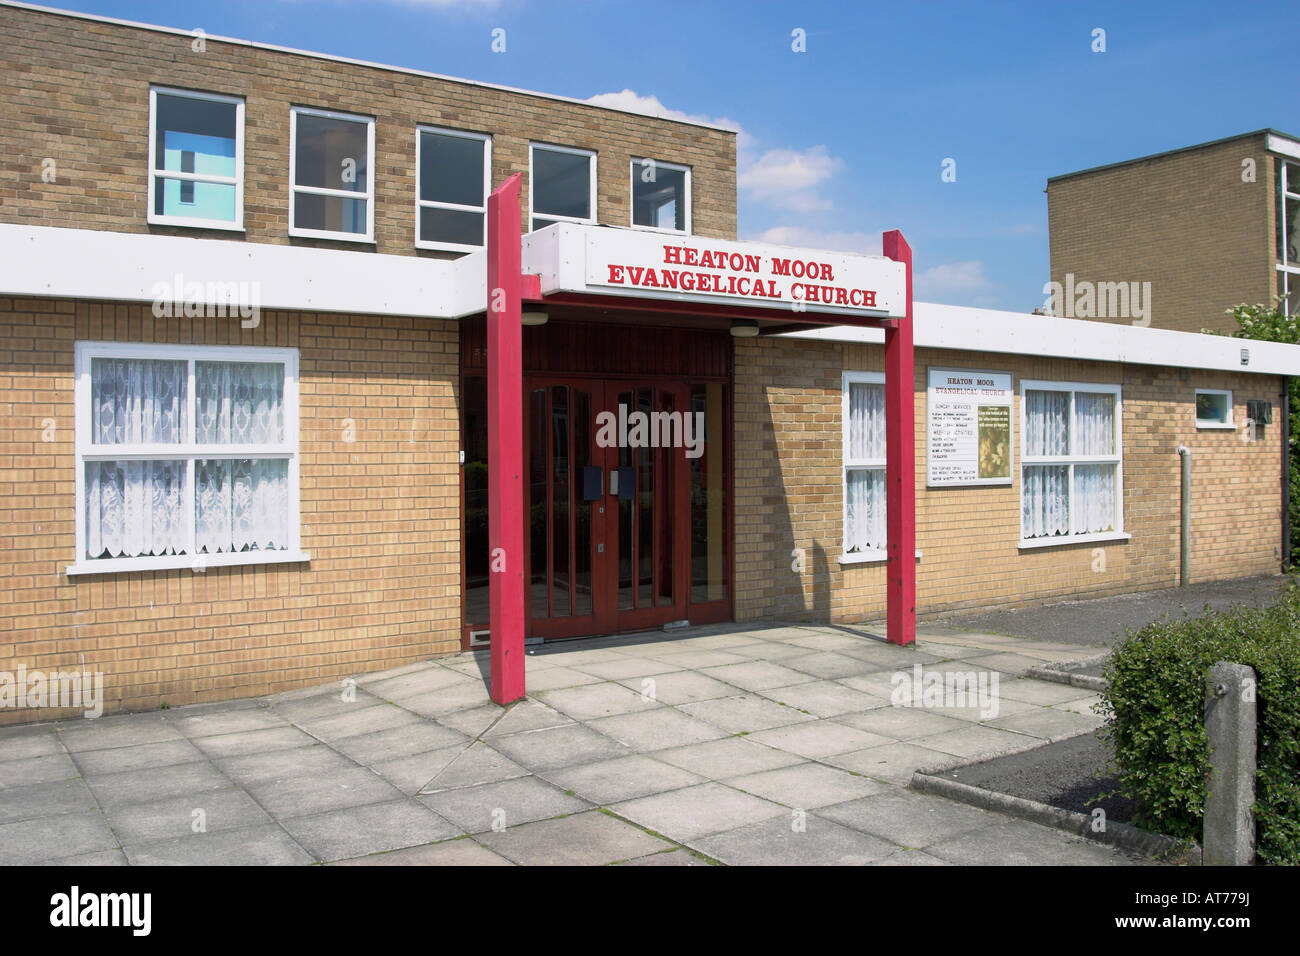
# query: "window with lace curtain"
1071,465
864,467
186,456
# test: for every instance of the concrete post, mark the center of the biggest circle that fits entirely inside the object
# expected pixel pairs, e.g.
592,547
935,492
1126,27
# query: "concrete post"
1229,824
1185,532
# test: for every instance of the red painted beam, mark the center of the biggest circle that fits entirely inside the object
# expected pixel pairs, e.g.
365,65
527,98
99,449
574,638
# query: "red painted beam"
505,398
900,461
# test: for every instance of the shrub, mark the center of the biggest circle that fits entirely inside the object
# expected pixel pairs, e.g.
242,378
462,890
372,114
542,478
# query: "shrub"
1155,718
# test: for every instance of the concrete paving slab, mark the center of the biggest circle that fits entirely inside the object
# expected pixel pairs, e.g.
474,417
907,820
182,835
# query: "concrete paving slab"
909,819
459,852
215,723
596,700
107,732
728,757
29,771
265,845
1040,692
507,803
910,858
656,729
777,842
1017,843
446,700
667,858
25,743
745,713
316,760
700,659
680,687
326,701
1087,706
374,828
901,723
1049,723
819,738
527,715
556,677
140,757
419,682
693,812
758,675
421,737
825,698
38,840
827,665
978,741
45,799
473,722
175,817
806,786
557,747
623,778
365,720
470,766
627,666
96,858
159,783
302,795
584,839
254,742
894,763
414,772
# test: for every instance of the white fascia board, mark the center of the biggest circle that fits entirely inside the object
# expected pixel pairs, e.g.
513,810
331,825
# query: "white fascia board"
91,264
1283,146
1016,333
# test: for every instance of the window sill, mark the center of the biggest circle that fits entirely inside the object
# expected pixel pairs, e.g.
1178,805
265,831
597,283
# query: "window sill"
868,557
1220,426
184,223
354,237
446,246
197,564
1062,540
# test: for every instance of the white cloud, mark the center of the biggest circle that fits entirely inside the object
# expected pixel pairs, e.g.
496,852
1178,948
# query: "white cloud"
634,102
951,279
859,243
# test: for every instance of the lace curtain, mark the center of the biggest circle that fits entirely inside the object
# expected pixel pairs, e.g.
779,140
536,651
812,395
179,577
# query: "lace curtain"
864,493
1046,503
139,508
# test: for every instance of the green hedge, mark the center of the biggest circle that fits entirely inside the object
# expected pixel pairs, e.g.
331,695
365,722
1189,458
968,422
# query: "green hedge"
1155,718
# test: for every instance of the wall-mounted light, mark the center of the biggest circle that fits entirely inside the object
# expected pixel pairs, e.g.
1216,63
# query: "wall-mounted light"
744,328
534,318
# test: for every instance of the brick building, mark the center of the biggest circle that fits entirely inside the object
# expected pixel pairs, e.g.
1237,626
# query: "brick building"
242,318
1193,231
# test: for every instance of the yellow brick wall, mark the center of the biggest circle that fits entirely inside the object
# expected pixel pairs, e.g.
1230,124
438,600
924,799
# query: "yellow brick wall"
77,92
380,516
788,491
1185,222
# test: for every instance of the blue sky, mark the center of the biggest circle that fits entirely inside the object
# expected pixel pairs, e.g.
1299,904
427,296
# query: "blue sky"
848,138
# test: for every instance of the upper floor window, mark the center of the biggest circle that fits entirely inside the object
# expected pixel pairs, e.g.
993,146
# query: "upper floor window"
1288,213
332,189
661,195
562,185
1071,467
454,170
187,456
196,159
864,466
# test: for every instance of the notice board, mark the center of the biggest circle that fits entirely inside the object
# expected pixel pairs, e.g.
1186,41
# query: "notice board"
969,435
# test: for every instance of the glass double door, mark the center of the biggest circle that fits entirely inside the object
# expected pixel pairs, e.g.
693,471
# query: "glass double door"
609,512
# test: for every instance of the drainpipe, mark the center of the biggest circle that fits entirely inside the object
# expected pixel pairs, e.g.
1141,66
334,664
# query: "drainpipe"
1185,539
1286,473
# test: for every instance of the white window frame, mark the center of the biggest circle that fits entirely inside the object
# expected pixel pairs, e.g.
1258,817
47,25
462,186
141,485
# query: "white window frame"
294,188
1117,458
486,140
1206,423
1290,273
592,167
855,464
87,451
631,195
158,219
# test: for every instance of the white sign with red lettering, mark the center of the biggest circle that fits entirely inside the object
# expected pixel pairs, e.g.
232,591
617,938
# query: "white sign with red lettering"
688,268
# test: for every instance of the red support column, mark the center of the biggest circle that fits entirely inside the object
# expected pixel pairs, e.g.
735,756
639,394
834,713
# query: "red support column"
505,443
900,459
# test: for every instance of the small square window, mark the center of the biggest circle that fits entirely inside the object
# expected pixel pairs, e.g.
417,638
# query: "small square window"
454,171
196,159
332,191
1213,408
661,196
562,185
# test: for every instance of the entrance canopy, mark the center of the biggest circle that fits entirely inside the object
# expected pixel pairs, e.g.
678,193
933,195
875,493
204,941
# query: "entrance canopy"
755,286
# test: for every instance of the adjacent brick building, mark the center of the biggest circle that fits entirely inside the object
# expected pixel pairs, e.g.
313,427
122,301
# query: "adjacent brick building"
1208,227
243,446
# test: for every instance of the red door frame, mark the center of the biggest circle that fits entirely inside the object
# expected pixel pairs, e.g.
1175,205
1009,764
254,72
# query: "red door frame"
506,288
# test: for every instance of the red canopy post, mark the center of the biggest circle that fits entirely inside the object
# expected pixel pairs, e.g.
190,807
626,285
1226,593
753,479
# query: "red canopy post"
505,443
900,460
